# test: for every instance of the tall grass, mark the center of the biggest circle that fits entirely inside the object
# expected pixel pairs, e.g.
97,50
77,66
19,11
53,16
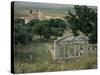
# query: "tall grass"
42,61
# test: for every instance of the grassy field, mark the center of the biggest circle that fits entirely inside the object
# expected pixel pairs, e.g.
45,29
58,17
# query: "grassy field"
34,57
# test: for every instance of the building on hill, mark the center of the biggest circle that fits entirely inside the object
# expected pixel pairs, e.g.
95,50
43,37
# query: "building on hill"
39,14
32,15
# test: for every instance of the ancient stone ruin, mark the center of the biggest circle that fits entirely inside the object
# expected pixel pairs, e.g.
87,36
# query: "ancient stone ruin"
70,47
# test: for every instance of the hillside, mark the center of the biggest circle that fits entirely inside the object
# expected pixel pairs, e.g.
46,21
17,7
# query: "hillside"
21,7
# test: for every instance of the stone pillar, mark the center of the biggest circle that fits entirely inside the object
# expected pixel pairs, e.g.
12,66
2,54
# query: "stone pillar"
68,52
64,51
74,51
55,49
84,49
79,49
87,47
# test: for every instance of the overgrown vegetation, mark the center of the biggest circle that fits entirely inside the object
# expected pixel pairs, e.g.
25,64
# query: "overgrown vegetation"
84,62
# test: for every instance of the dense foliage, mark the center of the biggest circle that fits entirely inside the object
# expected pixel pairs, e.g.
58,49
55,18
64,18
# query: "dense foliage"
45,29
85,20
48,28
23,32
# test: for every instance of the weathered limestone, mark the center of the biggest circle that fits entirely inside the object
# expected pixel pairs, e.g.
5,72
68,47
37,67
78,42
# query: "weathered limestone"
71,47
72,44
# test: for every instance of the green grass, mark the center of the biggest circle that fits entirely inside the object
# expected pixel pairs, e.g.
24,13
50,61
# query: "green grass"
42,60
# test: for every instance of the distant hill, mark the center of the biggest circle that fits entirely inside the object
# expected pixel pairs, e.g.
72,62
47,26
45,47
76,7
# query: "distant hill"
50,8
20,7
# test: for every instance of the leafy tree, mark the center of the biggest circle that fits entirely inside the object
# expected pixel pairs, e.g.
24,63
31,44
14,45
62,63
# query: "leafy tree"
23,32
42,29
46,33
47,28
52,23
38,29
57,27
33,22
85,20
57,32
60,23
57,23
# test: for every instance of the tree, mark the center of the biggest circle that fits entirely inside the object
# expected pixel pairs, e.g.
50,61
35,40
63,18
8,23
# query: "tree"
33,22
47,28
23,32
60,23
52,23
38,29
57,27
85,20
57,31
57,23
46,33
41,29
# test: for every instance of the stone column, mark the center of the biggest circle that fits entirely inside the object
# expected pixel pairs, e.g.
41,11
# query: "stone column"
54,48
79,49
87,47
83,48
68,52
64,52
74,51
